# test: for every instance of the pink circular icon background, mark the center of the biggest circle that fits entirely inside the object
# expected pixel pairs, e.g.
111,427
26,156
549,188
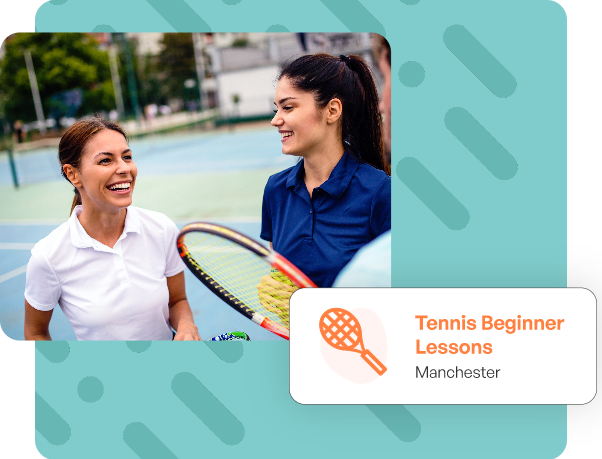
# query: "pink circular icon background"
350,365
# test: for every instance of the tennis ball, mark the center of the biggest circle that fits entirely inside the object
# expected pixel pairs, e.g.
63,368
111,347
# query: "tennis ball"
277,275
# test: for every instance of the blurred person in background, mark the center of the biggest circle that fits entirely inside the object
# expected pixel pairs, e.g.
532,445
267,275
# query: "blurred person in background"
150,112
319,213
382,55
113,268
371,266
18,126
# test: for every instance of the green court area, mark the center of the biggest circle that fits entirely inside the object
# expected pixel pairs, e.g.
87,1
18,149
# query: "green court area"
201,195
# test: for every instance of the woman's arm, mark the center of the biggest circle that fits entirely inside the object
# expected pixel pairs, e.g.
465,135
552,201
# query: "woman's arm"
36,323
180,315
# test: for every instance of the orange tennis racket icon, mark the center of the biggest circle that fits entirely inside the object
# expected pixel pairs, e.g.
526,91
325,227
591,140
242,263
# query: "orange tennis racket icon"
341,330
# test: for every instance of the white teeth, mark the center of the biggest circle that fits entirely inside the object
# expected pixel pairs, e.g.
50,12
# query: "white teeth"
286,134
120,186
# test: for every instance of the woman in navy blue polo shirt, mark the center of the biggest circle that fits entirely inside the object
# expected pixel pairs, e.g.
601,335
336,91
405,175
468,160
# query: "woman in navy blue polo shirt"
319,213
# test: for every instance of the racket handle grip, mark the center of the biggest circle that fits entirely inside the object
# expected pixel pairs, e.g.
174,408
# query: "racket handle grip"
376,364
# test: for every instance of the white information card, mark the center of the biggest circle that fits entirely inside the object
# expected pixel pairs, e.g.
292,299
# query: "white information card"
443,346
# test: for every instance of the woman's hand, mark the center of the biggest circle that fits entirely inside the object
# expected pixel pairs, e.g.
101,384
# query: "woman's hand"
180,315
275,295
187,332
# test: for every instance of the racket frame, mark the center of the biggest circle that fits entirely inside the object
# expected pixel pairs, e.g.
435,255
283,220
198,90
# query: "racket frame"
274,259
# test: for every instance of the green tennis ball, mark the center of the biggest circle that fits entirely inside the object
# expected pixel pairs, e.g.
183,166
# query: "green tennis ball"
276,296
277,275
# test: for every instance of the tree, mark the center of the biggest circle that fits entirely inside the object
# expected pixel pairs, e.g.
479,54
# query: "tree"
177,64
62,62
150,89
148,86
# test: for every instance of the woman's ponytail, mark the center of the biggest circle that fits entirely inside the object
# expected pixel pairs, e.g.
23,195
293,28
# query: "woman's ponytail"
77,201
365,128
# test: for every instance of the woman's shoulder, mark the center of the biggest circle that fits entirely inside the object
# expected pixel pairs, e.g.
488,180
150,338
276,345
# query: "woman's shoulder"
373,180
366,171
56,242
279,179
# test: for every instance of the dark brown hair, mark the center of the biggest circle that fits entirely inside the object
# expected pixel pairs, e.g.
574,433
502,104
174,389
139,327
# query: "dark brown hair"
74,140
349,79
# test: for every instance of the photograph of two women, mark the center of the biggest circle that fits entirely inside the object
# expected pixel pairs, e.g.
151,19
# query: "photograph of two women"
114,143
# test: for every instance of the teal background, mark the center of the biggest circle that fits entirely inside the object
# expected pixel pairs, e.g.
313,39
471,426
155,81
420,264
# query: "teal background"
498,233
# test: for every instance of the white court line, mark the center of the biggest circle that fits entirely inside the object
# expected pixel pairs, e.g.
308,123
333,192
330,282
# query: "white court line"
183,221
32,222
35,222
13,273
16,246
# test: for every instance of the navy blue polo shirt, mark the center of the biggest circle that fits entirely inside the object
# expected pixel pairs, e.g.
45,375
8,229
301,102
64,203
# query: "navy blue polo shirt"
321,234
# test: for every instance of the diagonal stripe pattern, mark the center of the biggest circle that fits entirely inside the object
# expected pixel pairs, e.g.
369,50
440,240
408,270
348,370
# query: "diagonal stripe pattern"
479,61
145,443
433,193
354,15
481,143
207,408
51,424
180,15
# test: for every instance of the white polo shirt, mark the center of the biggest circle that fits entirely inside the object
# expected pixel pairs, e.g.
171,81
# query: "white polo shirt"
117,293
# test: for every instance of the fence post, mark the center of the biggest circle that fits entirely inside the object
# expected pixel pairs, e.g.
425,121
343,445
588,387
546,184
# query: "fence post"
13,167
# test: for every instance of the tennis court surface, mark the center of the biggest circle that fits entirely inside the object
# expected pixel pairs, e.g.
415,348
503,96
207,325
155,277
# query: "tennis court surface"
210,176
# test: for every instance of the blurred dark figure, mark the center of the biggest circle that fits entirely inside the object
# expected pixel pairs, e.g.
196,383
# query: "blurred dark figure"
191,106
303,41
382,55
18,126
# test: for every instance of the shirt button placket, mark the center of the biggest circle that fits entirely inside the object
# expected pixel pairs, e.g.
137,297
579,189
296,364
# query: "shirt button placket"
313,221
122,274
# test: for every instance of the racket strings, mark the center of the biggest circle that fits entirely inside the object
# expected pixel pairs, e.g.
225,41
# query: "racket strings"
233,270
341,329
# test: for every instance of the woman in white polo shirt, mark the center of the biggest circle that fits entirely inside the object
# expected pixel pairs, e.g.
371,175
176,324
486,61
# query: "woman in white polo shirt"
114,269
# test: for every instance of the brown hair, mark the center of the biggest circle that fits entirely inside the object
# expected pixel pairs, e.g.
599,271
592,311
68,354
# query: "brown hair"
349,79
74,141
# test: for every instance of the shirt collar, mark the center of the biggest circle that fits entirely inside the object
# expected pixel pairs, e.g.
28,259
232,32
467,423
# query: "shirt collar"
132,221
337,182
81,239
295,176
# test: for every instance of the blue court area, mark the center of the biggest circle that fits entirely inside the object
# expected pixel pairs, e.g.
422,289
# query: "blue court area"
210,176
155,155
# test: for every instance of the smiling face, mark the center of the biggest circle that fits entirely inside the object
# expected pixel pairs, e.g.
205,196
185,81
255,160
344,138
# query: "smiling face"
302,125
107,173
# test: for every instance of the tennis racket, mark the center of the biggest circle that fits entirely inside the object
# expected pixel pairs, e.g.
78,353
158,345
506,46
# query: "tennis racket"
232,265
342,330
